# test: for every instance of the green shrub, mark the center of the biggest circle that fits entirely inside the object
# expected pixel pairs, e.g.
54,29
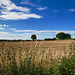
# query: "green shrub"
67,64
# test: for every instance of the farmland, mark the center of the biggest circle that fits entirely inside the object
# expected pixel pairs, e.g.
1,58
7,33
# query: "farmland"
55,48
37,50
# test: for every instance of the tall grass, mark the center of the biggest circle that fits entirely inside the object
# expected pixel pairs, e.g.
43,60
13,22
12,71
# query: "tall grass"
64,65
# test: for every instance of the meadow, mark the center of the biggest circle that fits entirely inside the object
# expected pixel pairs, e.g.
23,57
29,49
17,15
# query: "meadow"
37,57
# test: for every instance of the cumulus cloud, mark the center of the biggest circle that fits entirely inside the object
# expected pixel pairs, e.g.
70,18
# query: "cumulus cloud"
18,15
8,5
23,12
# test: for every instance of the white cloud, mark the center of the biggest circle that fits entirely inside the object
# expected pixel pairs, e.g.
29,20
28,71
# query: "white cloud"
14,29
5,25
57,31
1,28
43,31
72,10
42,8
18,15
8,36
7,14
27,2
26,34
8,5
1,33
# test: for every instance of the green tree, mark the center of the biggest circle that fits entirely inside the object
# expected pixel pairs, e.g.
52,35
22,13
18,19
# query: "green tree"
60,35
33,37
67,36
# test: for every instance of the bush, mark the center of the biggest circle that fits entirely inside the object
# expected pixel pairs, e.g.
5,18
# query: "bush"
67,64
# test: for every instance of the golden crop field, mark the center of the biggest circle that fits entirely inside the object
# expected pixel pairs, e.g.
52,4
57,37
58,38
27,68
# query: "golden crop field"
40,49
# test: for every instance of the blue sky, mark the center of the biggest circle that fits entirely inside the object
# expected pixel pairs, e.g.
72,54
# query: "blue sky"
19,19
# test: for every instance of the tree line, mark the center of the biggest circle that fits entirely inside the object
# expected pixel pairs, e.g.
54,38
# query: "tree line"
60,35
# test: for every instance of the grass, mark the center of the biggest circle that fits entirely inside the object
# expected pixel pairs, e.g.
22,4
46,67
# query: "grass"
14,62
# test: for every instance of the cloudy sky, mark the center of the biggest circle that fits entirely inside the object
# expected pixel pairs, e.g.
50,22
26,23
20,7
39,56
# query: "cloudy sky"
19,19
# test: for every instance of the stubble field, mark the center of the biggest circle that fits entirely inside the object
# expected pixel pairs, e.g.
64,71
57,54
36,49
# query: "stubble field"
40,49
37,57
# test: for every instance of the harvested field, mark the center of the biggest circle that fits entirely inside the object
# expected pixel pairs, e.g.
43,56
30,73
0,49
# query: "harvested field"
38,44
47,49
37,57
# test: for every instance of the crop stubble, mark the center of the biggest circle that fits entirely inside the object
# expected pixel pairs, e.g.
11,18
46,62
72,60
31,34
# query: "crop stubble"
39,49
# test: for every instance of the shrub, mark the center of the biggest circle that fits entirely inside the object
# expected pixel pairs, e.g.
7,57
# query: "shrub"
67,64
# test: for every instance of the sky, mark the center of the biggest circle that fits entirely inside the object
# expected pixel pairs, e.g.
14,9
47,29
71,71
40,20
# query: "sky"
19,19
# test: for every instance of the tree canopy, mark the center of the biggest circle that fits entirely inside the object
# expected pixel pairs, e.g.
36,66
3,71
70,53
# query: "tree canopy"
68,36
33,37
62,35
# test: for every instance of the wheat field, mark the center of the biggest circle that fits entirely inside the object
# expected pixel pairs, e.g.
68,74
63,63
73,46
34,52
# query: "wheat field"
40,49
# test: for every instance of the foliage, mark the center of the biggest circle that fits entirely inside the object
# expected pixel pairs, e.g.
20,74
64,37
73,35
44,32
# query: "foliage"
67,65
62,35
50,39
54,38
33,37
67,36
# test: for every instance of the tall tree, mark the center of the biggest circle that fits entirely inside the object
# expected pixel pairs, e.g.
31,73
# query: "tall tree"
33,37
60,35
67,36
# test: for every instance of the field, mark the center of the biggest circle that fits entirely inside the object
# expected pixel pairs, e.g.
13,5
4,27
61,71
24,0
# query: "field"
47,48
38,51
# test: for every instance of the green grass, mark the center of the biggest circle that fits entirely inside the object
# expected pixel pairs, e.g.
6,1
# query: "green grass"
61,66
